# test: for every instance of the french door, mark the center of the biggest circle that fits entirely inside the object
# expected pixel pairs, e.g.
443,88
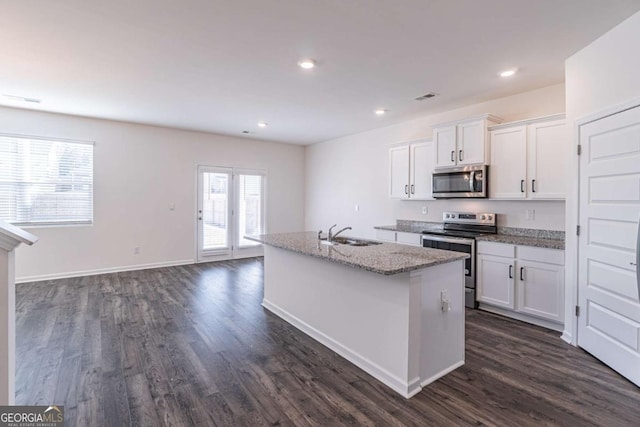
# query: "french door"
608,283
231,205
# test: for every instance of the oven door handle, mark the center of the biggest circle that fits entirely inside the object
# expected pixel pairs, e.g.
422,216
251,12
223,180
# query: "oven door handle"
459,240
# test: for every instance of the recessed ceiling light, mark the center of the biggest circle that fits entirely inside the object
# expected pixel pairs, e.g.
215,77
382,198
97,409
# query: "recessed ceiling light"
508,73
307,64
262,124
380,111
22,99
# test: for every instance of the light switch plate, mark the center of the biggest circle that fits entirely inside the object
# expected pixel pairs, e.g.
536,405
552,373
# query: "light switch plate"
425,210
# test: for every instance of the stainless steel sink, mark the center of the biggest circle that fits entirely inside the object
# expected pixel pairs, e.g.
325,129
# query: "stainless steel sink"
354,242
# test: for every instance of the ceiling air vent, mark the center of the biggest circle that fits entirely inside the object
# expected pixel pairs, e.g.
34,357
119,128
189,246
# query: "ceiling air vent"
427,96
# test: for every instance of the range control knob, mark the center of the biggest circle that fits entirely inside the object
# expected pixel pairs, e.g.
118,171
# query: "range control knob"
489,217
483,217
448,216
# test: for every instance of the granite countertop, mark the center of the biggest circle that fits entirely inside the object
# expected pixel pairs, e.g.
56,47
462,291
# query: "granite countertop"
384,258
411,226
550,239
537,242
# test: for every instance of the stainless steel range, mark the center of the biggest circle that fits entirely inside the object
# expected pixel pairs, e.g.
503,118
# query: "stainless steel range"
459,234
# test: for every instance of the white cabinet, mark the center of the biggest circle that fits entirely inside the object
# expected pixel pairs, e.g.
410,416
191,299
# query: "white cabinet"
410,170
404,238
507,172
547,159
528,159
399,172
464,142
413,239
522,282
496,281
386,235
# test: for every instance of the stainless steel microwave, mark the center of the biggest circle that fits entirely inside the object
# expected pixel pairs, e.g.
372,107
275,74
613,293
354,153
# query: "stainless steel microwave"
460,182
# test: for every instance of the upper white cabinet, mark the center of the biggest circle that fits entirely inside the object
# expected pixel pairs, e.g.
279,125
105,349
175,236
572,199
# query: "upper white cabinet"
528,159
465,142
410,169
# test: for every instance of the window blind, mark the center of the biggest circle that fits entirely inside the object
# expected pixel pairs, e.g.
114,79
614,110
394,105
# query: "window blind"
45,182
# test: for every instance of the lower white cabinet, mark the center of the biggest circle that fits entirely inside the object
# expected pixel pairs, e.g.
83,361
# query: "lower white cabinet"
523,282
404,238
413,239
495,281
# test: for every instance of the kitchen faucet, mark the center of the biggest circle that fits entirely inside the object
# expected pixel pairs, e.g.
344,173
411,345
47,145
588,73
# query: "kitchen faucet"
333,236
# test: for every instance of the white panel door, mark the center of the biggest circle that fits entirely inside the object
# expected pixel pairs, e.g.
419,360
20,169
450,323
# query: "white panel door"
422,166
399,172
471,143
547,160
496,281
540,290
444,139
608,287
508,169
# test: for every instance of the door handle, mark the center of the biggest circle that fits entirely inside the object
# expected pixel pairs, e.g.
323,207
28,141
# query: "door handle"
510,271
472,181
522,274
413,189
533,185
460,155
453,153
406,189
522,185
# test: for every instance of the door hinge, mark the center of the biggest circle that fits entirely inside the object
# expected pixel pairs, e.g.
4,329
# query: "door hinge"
577,311
579,149
577,230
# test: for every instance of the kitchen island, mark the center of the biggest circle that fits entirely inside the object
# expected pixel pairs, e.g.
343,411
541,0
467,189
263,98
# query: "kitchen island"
395,311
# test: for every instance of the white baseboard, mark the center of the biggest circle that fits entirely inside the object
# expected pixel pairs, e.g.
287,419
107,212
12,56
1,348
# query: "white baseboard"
442,373
567,337
68,275
404,388
522,317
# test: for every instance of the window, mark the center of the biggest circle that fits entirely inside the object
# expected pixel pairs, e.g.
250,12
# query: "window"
251,218
45,181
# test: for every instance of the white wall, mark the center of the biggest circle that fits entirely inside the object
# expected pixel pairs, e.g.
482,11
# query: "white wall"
352,170
139,171
600,76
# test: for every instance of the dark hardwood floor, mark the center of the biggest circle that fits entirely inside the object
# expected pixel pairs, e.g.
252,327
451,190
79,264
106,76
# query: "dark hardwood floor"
191,345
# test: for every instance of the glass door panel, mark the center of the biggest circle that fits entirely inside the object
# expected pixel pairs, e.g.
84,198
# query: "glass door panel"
214,212
250,209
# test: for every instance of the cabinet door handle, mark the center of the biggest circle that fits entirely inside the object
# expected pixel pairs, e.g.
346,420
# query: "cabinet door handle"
522,274
533,185
511,272
406,189
460,155
453,153
413,189
522,185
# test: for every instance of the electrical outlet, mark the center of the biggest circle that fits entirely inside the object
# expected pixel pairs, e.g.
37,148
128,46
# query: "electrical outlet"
531,214
445,304
136,250
172,206
425,210
357,208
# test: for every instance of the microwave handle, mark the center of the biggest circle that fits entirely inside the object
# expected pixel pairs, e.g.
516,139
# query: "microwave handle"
472,180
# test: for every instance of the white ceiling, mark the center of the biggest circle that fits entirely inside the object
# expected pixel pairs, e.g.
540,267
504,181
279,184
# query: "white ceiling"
222,66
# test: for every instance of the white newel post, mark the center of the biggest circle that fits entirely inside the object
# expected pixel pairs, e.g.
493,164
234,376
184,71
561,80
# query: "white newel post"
10,237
